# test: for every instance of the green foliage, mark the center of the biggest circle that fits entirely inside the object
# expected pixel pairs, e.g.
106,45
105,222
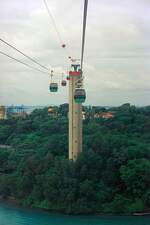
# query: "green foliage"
147,198
136,206
119,204
136,175
112,175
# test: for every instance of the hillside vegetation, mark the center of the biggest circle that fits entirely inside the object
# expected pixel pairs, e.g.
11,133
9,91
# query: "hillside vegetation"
112,175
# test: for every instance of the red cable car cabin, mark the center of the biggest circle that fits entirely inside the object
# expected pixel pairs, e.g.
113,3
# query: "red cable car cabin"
63,83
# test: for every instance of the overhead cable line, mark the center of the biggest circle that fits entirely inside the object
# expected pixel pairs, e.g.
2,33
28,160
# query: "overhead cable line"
53,21
33,60
25,64
83,32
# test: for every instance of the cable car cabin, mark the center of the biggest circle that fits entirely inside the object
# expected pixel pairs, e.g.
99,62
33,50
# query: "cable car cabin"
63,83
53,87
79,95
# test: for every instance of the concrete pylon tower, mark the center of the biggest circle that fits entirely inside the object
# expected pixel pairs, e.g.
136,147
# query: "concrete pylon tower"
75,118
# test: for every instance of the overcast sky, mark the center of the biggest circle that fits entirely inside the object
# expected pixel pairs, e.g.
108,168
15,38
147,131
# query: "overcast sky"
117,51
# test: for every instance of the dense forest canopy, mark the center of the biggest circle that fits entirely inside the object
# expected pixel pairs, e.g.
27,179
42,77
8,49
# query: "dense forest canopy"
112,175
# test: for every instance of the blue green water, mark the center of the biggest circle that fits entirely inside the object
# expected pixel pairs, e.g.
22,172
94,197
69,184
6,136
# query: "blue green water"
12,215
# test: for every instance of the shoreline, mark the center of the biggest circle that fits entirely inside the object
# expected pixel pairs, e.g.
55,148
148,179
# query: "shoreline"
14,202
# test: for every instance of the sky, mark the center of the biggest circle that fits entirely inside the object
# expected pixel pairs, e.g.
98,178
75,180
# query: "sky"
117,50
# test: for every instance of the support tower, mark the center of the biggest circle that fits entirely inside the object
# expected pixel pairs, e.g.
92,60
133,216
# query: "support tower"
75,115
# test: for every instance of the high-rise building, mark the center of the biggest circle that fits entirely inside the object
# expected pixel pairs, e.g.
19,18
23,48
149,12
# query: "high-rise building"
2,112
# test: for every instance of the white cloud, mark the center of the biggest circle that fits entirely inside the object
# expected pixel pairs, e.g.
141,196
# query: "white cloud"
116,55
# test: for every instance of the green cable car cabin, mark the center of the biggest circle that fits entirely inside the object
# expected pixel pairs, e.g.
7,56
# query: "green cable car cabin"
79,95
53,87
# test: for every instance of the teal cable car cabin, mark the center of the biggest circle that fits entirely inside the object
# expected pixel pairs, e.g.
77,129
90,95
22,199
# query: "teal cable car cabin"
53,87
79,95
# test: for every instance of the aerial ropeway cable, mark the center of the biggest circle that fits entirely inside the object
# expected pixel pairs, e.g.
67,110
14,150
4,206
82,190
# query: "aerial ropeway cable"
33,60
84,30
54,24
25,64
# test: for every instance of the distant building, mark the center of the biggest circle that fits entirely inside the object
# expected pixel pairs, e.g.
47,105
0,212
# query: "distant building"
23,115
2,112
50,110
104,115
83,115
53,111
16,111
